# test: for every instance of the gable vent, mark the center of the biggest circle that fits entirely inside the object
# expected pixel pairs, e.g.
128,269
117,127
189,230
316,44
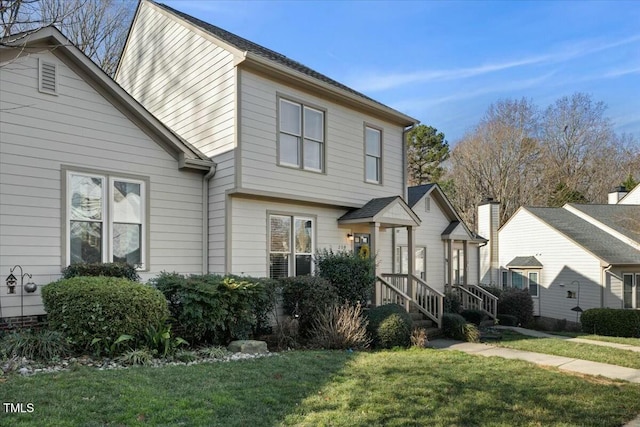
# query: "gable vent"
48,77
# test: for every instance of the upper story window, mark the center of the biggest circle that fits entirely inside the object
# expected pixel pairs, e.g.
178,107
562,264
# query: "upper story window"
301,136
373,155
106,219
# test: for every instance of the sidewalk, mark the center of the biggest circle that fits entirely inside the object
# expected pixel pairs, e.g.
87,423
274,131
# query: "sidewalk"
539,334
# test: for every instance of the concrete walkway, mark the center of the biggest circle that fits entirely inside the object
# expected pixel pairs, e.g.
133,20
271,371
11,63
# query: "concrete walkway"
539,334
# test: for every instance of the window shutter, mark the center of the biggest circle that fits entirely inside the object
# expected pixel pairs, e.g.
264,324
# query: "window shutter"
48,78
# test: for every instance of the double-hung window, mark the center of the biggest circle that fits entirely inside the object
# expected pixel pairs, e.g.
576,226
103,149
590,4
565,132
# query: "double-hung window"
301,136
373,155
290,246
105,219
631,290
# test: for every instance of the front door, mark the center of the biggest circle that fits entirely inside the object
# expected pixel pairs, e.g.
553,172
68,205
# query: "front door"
362,244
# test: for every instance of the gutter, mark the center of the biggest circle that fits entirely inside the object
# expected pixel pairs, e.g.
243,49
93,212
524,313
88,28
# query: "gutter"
205,217
603,283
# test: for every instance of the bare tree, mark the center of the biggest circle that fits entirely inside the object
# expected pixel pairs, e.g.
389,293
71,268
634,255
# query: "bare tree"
98,27
499,158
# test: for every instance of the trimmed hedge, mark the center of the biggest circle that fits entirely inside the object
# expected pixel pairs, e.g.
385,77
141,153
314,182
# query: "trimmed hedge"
611,322
352,275
507,320
212,308
518,303
389,326
84,308
453,326
111,269
304,297
452,303
474,316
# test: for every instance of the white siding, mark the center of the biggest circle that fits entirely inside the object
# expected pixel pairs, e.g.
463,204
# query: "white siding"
633,198
38,134
250,228
565,265
182,78
343,180
429,234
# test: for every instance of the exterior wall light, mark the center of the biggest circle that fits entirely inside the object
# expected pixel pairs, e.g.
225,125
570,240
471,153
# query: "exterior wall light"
350,237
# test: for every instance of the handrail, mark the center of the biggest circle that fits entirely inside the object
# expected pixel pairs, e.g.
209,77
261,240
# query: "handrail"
469,299
397,280
429,301
489,301
400,297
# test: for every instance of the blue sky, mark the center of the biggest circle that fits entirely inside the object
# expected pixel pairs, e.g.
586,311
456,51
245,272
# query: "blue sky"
444,63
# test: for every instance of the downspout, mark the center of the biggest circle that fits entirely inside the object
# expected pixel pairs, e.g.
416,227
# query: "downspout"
603,282
405,181
205,217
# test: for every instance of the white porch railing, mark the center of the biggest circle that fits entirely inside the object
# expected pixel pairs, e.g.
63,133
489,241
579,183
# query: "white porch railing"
473,297
396,289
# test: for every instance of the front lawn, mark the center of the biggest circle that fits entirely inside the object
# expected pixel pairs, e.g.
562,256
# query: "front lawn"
584,335
413,387
560,347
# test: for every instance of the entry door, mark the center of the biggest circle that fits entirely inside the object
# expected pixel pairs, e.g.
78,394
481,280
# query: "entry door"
362,244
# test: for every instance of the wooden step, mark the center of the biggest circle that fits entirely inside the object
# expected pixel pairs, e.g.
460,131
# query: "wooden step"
424,323
416,315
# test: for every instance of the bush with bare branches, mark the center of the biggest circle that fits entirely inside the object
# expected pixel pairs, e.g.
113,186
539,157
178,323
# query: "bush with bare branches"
340,327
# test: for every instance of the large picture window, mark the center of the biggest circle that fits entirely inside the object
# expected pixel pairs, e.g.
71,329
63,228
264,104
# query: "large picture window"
373,155
301,136
105,219
419,263
290,246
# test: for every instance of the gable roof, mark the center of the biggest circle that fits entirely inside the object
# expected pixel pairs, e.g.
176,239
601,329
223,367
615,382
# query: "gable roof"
415,193
630,196
375,210
524,262
263,56
593,239
625,219
52,39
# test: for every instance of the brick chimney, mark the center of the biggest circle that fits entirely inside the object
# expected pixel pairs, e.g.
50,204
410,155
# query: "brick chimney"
488,225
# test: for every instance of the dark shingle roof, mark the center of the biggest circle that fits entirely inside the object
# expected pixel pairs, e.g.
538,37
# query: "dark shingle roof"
624,219
525,262
452,226
249,46
597,241
416,193
371,209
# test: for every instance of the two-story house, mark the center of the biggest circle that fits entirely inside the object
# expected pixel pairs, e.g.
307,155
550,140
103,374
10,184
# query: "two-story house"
219,156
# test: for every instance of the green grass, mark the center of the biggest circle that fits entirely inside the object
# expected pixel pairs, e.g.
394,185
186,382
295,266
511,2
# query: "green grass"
560,347
619,340
393,388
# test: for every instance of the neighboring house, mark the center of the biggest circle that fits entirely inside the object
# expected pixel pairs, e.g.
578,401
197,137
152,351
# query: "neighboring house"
86,173
623,197
585,256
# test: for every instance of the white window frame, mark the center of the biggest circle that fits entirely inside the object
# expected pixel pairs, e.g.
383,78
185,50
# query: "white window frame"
403,249
107,221
300,164
635,291
526,279
378,158
537,273
292,247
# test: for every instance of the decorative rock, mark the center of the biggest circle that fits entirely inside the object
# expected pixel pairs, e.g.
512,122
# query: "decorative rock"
24,371
248,346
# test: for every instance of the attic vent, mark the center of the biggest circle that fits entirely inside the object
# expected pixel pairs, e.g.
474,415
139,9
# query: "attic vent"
48,78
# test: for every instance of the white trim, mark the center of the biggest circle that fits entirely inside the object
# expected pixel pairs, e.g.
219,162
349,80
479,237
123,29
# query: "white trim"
49,67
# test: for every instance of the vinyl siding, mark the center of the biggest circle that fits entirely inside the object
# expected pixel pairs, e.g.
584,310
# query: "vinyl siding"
40,133
181,77
564,264
221,182
250,232
633,198
429,234
343,179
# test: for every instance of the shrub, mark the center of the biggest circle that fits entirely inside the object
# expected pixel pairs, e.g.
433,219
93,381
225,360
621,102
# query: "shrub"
139,357
352,275
611,322
493,290
518,303
160,340
419,338
453,326
507,320
471,333
88,308
304,297
339,328
474,316
112,269
43,344
389,326
212,308
452,303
